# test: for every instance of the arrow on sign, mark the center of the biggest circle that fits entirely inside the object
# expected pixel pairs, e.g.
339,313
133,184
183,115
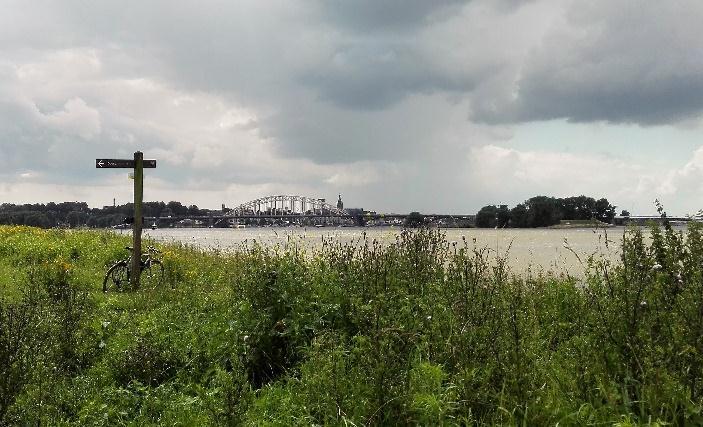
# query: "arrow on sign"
122,163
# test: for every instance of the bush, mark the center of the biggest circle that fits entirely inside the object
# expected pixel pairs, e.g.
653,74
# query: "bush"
417,332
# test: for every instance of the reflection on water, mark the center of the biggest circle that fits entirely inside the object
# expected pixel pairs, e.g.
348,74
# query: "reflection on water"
534,248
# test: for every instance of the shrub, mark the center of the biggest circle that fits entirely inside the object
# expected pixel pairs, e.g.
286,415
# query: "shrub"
416,332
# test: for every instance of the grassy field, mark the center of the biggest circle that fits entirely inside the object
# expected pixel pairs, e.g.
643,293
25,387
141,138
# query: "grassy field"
420,332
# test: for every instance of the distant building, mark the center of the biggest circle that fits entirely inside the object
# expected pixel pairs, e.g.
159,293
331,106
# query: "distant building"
340,204
189,223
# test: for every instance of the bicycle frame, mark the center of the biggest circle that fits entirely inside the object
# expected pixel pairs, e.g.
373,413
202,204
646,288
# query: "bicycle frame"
123,268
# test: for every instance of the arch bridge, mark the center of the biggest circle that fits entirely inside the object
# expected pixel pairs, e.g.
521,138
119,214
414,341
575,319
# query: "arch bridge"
283,205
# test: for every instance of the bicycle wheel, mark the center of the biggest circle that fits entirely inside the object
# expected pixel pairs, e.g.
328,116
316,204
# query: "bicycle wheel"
117,277
153,274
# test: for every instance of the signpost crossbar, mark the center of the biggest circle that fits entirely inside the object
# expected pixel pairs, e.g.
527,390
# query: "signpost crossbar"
122,163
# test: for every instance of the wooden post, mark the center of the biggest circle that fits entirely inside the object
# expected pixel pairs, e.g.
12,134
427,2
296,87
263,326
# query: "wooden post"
137,230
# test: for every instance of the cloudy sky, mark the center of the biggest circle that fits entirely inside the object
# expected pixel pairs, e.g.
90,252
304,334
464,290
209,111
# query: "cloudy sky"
399,105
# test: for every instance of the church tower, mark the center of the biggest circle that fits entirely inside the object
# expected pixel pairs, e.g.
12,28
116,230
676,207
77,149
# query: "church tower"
340,205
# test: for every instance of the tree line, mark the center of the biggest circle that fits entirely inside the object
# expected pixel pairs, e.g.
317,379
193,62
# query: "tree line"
543,211
78,214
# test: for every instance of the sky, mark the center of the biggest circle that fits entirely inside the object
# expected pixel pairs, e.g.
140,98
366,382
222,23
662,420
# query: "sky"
397,105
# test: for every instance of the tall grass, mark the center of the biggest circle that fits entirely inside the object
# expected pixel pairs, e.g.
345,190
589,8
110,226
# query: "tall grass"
417,332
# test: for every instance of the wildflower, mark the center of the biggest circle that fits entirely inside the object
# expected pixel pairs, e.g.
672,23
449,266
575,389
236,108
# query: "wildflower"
246,338
105,323
656,267
429,317
643,304
102,344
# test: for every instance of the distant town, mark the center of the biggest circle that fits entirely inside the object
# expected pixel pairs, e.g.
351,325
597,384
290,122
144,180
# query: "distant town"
271,211
290,211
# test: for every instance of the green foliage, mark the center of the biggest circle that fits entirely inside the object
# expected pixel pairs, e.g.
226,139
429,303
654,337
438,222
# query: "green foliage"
420,332
543,211
78,214
414,219
493,216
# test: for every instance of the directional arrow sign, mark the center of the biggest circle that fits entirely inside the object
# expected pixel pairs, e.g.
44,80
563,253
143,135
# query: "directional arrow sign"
121,163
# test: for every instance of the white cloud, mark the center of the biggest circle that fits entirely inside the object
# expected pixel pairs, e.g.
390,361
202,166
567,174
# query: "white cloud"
509,175
512,175
241,99
362,174
76,117
684,184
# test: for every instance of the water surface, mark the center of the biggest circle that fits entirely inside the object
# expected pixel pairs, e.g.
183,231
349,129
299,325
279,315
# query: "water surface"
547,249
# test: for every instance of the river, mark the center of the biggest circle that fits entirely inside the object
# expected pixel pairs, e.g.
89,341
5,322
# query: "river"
536,249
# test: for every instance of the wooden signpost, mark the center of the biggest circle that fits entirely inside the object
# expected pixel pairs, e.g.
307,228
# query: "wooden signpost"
138,164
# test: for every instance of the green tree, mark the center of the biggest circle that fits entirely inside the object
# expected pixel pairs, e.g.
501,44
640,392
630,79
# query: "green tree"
502,216
37,220
486,217
177,208
193,210
76,218
577,208
543,211
604,211
414,219
519,217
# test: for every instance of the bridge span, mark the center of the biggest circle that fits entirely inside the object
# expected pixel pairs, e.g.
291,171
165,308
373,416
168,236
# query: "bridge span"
303,210
288,204
355,219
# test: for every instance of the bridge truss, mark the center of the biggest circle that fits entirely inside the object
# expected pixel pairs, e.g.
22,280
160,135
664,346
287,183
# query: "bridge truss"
286,205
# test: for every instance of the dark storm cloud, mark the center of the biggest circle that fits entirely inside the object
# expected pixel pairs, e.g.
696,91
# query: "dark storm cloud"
613,61
269,93
329,134
391,15
362,16
620,62
371,76
322,86
261,53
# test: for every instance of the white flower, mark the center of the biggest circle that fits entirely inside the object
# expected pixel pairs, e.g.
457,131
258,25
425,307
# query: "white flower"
656,267
102,344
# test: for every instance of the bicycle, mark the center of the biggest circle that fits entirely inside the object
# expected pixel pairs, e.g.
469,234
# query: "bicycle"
150,267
